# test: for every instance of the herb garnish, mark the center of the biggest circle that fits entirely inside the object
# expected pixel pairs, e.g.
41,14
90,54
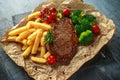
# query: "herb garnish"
49,37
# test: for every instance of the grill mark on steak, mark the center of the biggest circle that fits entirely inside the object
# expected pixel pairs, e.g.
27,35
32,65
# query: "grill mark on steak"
65,41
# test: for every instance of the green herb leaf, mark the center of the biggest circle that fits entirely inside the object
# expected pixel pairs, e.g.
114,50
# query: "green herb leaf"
59,14
49,37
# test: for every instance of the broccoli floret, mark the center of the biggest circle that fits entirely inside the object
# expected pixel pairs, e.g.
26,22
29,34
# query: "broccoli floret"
75,19
86,37
89,17
83,26
75,16
79,29
86,24
75,13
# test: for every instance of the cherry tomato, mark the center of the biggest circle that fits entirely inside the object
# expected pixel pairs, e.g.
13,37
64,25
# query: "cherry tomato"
48,19
51,59
96,29
52,10
45,10
54,16
66,12
41,15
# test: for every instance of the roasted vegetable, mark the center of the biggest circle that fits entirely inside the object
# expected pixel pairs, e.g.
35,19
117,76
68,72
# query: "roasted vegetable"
49,37
86,37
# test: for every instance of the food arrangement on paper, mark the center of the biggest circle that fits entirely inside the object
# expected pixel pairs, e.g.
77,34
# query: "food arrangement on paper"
57,38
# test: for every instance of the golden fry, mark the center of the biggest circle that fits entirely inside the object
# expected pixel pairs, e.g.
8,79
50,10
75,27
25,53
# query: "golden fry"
37,41
43,26
43,38
30,42
17,31
42,53
27,52
32,36
24,35
38,60
37,20
24,47
12,38
29,24
24,42
33,15
47,55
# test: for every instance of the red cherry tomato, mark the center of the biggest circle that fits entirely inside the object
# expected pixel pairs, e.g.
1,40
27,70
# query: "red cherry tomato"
48,19
51,59
41,15
96,29
45,10
53,10
66,12
54,16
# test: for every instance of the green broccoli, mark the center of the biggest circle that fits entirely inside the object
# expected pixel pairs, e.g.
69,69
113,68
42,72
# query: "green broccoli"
75,20
89,17
76,16
75,13
83,26
85,37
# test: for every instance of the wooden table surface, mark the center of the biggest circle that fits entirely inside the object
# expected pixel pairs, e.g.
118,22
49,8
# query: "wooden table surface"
105,66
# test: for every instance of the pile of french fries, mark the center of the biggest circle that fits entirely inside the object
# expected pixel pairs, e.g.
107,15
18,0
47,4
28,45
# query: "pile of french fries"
32,37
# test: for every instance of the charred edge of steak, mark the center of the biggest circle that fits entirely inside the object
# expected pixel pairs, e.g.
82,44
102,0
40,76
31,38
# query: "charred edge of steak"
65,41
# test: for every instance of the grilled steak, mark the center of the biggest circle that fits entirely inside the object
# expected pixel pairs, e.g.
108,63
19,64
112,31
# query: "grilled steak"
65,40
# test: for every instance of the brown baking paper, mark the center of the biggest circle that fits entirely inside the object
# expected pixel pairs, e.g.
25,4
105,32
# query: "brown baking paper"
84,54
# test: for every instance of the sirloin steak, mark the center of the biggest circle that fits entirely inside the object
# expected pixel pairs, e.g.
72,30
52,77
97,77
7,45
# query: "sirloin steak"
65,41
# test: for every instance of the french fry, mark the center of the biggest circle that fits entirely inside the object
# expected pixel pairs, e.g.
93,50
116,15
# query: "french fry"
37,20
38,60
24,42
43,26
37,41
42,53
33,15
42,41
24,35
29,24
24,47
47,55
12,38
30,42
17,31
43,38
32,36
44,33
27,51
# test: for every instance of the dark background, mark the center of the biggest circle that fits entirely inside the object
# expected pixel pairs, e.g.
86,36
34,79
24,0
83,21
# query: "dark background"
105,65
